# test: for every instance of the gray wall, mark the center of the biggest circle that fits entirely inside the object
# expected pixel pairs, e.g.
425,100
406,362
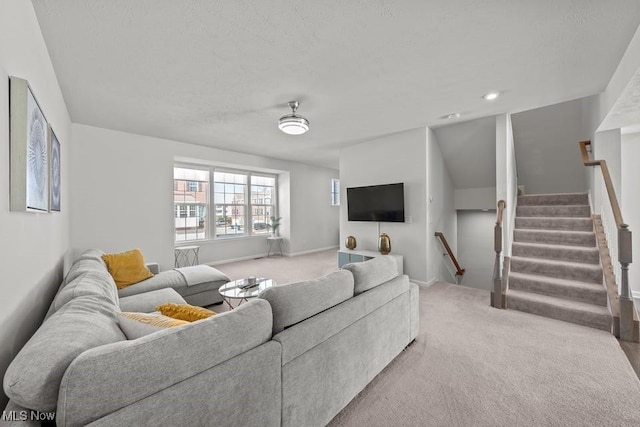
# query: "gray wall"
546,144
124,197
400,157
441,214
475,247
630,201
34,245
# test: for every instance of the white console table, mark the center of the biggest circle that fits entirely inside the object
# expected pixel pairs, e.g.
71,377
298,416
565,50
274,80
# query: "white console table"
345,256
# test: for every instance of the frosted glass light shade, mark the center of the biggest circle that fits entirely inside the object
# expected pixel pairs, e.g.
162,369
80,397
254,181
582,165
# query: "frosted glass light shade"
293,124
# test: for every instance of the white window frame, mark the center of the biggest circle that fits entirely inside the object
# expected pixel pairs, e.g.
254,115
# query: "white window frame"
335,193
212,206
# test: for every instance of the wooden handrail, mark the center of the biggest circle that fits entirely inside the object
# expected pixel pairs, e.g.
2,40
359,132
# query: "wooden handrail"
459,271
615,206
628,316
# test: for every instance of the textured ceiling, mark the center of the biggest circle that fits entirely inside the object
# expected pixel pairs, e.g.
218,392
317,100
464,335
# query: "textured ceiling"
220,73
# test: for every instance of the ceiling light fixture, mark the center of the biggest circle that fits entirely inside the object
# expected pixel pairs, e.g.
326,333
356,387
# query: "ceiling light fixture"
491,96
293,124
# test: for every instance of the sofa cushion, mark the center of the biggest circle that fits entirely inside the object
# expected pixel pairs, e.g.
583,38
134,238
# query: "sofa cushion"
127,268
306,335
189,313
84,265
148,301
33,377
136,325
371,273
295,302
92,254
91,282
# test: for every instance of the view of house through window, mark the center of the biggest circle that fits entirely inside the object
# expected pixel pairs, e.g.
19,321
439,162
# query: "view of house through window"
190,203
243,203
335,192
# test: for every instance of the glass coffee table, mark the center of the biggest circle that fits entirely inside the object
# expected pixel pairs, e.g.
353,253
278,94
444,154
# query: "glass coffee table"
232,291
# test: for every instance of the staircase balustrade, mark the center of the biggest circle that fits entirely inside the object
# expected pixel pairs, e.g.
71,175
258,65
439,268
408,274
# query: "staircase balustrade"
497,295
619,236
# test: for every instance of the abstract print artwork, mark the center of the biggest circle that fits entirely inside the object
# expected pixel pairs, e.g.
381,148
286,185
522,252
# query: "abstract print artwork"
37,155
54,178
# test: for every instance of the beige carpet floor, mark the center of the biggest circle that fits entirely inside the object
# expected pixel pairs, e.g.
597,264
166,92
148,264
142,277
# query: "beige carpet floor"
281,269
284,269
473,365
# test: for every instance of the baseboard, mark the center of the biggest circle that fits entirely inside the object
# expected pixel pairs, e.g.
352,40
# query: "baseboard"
264,255
312,251
421,283
429,283
635,294
244,258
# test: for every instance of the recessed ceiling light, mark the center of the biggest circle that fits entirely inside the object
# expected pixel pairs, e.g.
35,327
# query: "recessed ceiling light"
491,96
451,116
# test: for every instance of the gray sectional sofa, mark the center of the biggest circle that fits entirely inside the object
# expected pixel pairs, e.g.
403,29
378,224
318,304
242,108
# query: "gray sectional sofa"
294,356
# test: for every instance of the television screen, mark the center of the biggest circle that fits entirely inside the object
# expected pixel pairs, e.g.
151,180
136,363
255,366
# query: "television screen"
382,203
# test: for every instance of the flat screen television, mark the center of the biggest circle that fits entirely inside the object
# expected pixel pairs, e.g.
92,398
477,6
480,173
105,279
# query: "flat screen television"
381,203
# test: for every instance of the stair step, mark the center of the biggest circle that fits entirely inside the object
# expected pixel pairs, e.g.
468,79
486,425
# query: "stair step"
560,288
557,269
555,223
557,237
579,254
580,313
553,199
573,211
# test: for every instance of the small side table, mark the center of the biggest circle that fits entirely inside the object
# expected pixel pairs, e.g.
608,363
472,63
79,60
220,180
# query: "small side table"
186,256
274,243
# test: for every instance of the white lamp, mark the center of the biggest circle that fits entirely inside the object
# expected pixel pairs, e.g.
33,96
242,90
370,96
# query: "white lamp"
293,124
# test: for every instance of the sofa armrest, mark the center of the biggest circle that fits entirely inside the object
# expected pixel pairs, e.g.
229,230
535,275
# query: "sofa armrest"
148,301
105,379
154,267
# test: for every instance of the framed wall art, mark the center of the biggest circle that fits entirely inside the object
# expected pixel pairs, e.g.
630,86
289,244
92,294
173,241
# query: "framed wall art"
54,172
29,150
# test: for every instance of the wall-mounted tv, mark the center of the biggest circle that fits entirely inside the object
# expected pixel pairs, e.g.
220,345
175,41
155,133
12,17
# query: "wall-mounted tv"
381,203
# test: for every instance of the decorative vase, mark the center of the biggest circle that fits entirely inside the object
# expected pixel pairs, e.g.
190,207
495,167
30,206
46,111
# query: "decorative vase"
350,243
384,244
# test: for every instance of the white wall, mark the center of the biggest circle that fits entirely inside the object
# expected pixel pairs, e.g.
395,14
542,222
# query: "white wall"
507,180
547,151
124,197
400,157
630,202
475,198
628,66
441,214
475,247
34,247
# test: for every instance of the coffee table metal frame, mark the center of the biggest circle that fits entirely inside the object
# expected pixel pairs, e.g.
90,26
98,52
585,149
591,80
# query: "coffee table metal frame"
230,291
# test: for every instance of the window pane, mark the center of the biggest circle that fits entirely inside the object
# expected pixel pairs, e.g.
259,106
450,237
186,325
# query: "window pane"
335,192
262,190
230,221
191,199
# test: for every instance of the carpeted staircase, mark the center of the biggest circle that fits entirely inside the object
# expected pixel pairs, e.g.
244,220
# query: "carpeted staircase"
555,264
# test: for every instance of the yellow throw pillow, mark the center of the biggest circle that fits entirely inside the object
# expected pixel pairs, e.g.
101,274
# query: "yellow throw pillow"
136,325
187,312
127,268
